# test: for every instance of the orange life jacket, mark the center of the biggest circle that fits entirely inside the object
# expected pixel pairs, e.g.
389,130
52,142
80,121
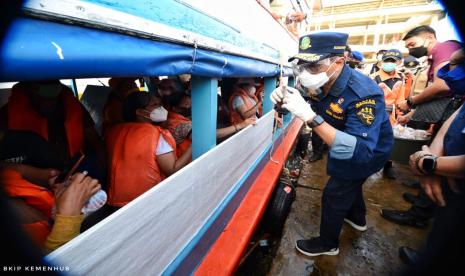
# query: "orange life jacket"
173,121
392,96
23,116
133,167
408,85
234,116
112,113
40,198
37,197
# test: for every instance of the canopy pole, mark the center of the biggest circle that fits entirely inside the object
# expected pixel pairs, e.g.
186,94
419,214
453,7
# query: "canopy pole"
270,85
204,108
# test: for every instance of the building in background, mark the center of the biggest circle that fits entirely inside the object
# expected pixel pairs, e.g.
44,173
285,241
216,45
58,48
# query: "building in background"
374,25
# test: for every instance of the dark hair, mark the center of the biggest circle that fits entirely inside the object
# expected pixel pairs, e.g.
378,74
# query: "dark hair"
348,49
419,30
133,102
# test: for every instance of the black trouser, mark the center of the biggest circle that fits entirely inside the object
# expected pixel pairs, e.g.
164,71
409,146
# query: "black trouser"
341,199
445,247
302,143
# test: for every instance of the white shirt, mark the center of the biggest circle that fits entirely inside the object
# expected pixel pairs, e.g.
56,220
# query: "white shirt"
163,147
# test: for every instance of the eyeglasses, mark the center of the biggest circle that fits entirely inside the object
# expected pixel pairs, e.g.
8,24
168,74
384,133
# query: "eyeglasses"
314,67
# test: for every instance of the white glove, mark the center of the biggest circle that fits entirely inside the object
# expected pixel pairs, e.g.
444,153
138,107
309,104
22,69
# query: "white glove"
294,102
277,95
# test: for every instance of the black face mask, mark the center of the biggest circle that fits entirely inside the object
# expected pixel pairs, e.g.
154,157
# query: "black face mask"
419,51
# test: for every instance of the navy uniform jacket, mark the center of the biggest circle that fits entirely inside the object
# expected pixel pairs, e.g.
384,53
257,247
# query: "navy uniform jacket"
355,107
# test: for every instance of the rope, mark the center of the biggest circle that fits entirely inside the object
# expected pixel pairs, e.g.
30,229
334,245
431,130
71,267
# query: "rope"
193,57
281,116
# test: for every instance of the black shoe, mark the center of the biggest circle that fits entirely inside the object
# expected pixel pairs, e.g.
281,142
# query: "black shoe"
388,172
411,198
314,247
315,157
412,184
403,218
408,255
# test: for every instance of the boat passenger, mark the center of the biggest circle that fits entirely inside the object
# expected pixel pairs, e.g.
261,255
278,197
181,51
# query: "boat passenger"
113,109
141,153
243,103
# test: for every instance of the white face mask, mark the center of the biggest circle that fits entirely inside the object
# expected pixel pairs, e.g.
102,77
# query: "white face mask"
314,81
159,114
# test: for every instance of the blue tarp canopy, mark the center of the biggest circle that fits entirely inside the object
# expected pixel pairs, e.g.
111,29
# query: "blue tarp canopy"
37,49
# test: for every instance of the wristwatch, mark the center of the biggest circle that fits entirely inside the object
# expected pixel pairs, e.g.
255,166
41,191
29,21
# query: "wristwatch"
410,103
318,120
429,164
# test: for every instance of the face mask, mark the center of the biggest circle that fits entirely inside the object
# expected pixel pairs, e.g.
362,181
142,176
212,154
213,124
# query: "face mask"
314,81
455,79
49,91
159,114
388,67
419,52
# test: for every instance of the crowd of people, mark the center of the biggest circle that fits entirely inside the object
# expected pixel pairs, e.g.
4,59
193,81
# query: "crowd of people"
63,176
353,111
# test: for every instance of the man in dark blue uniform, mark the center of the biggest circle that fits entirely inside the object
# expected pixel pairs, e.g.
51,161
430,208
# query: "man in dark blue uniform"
349,115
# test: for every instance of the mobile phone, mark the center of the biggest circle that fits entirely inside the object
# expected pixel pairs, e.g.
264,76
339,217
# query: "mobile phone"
70,168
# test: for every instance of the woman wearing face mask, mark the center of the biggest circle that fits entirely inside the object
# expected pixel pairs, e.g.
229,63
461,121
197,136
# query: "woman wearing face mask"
243,103
141,153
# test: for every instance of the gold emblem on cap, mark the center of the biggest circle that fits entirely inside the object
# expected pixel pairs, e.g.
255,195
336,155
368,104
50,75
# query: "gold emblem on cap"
305,43
308,57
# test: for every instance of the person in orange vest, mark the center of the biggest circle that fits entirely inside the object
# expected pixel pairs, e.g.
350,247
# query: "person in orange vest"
180,125
243,103
113,108
392,83
27,174
410,71
171,92
141,153
50,110
34,204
